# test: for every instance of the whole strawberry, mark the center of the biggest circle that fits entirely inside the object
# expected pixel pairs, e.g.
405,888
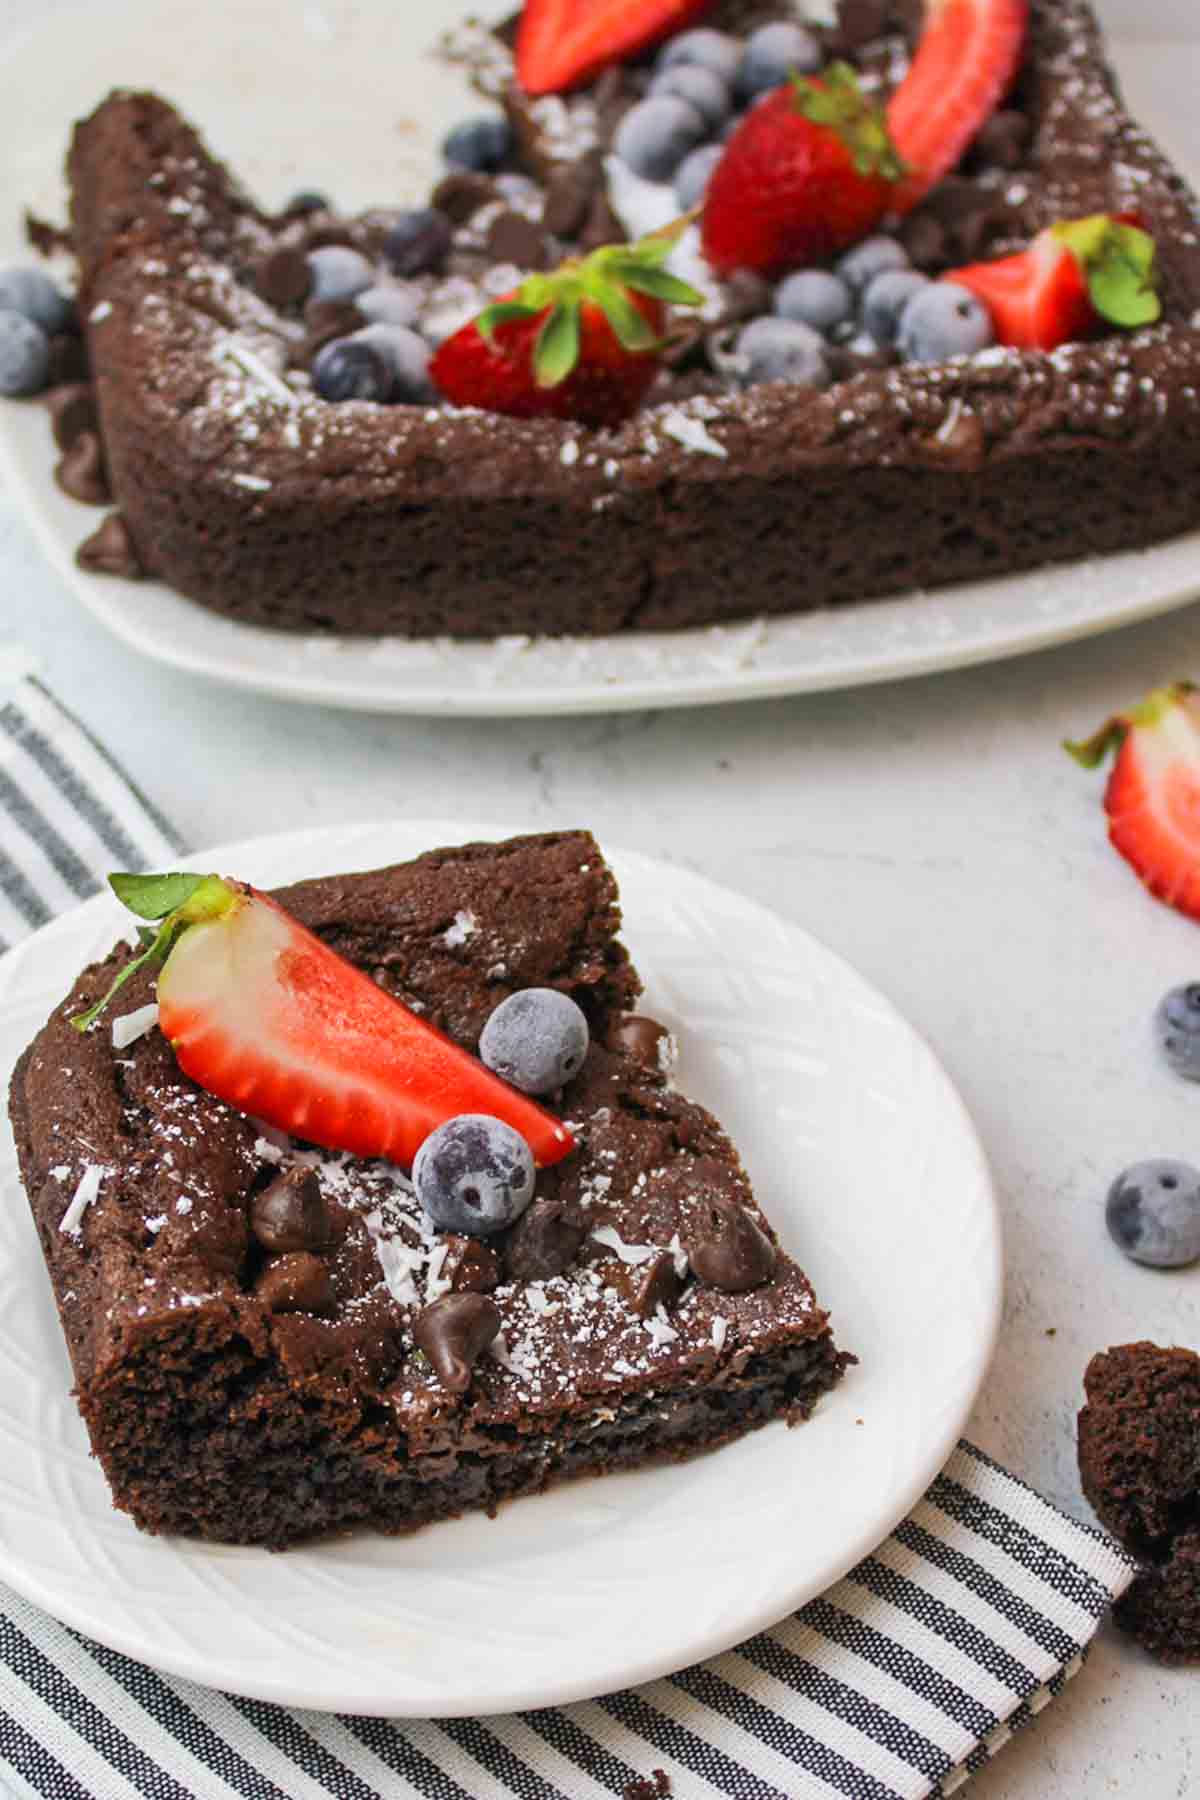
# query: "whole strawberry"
583,343
808,172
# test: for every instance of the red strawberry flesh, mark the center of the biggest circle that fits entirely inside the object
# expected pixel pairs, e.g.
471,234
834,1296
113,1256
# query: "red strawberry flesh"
1038,298
562,43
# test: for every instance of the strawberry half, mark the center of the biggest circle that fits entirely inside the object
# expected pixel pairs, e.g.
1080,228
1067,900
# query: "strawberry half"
265,1016
1153,793
965,62
809,171
1073,276
561,43
581,344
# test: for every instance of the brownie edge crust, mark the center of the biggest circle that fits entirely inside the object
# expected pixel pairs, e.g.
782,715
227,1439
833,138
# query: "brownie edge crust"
279,510
215,1416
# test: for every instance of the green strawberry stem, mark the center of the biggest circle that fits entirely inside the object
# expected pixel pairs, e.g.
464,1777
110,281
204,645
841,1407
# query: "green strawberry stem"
174,902
608,279
836,101
1119,262
1089,753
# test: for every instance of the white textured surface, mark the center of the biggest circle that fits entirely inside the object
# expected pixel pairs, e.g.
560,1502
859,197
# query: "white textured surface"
861,1154
932,832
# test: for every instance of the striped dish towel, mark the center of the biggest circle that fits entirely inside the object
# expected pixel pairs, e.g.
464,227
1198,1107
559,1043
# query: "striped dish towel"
897,1684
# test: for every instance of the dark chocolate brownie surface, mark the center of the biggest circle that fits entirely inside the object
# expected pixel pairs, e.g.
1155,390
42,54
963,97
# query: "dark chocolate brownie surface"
1139,1462
243,491
216,1415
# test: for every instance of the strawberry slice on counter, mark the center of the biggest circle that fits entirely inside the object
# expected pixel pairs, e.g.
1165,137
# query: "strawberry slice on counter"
809,171
1073,276
265,1016
965,62
582,343
561,43
1153,793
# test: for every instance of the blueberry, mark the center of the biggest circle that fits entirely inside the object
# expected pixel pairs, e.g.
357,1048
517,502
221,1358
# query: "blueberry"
656,135
407,356
33,295
694,174
308,200
700,88
474,1174
772,349
389,305
418,241
815,298
859,267
480,144
943,320
1153,1213
706,49
774,52
884,300
24,355
348,369
536,1039
1177,1025
339,273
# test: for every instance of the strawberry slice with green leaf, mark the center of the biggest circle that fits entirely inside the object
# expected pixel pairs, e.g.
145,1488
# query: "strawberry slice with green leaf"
265,1016
965,62
582,343
561,43
1074,276
1153,793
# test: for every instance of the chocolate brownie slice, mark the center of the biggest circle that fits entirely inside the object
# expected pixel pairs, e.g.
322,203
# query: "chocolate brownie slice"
264,1334
1139,1461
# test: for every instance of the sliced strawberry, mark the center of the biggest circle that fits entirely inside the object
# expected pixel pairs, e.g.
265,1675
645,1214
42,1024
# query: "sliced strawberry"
1072,276
965,62
561,43
264,1015
1153,793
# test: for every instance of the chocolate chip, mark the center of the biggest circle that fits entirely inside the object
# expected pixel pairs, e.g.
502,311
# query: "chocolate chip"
926,240
110,551
454,1332
72,409
512,238
859,23
729,1250
967,213
461,195
68,359
283,278
570,193
660,1285
1004,140
298,1282
470,1267
545,1240
291,1213
325,320
81,471
640,1037
602,227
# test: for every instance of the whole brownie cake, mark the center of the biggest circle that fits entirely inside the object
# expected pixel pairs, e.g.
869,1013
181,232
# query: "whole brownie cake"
272,1341
722,497
1139,1461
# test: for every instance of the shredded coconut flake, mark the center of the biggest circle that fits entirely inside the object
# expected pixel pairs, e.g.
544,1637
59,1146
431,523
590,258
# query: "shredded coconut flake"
131,1026
693,434
720,1331
99,313
85,1193
610,1237
465,925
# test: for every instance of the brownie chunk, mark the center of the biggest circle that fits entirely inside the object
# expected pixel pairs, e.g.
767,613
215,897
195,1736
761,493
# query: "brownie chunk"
1139,1462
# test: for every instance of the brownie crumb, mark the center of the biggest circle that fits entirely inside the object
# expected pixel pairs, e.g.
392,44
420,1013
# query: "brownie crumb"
648,1787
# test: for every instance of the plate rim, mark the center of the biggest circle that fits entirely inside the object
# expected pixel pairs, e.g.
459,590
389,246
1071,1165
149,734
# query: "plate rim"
565,1690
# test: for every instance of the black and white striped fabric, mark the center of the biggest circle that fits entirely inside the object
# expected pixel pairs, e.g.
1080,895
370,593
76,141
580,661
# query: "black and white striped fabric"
900,1682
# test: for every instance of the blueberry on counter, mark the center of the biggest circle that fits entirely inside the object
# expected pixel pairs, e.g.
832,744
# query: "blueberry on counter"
537,1039
944,320
349,369
694,174
884,300
706,49
773,349
308,200
656,135
31,293
24,355
700,88
1177,1027
418,241
480,144
1153,1213
338,272
474,1174
407,356
860,266
772,54
816,298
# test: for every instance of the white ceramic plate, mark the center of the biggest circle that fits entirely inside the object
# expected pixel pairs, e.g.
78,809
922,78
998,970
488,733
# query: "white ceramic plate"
861,1153
374,106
